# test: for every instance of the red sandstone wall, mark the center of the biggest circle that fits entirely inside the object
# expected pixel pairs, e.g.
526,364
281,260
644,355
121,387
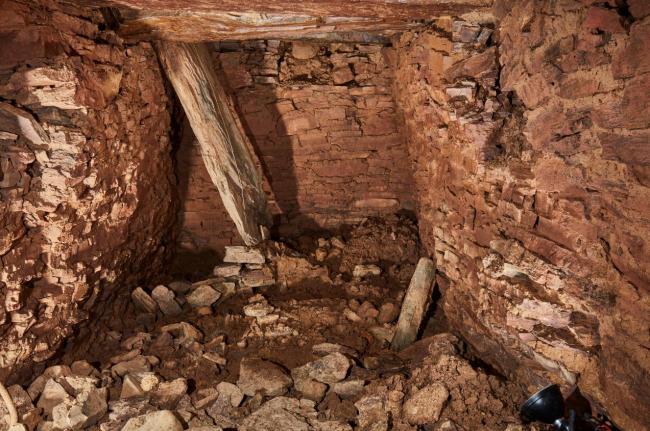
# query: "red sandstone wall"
86,185
532,173
323,121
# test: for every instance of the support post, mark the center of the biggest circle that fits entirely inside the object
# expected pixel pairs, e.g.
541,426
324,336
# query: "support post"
415,305
225,148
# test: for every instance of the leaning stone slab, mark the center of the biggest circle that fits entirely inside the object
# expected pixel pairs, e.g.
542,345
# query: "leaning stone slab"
243,254
415,304
165,299
143,301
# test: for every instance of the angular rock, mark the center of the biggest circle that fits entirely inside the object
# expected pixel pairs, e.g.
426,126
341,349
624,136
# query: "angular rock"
373,415
162,420
348,388
425,405
183,331
52,395
227,270
167,394
330,369
388,312
232,392
137,384
257,278
165,299
180,286
143,301
323,349
85,410
243,254
138,364
203,296
307,386
258,309
304,50
39,383
361,271
260,375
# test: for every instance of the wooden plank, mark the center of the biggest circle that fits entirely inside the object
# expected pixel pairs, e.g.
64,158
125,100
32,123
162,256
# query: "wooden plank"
415,305
214,20
224,145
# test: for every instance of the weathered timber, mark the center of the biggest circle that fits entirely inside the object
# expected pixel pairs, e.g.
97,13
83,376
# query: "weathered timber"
224,145
415,304
210,20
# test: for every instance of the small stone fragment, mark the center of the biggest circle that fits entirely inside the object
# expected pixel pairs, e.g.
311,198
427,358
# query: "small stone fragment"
143,301
183,331
180,286
243,254
162,420
232,392
258,309
167,394
203,296
257,278
348,388
52,395
304,50
388,312
82,368
426,404
165,299
307,386
227,270
330,369
361,271
373,414
260,375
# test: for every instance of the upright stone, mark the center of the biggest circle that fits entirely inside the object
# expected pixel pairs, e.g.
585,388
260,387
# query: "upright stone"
224,145
415,305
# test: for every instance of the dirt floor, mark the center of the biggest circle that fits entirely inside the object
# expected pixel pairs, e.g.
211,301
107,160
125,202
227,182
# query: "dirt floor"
291,340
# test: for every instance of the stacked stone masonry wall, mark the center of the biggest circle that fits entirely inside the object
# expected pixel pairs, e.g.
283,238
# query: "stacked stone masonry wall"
323,123
86,179
531,146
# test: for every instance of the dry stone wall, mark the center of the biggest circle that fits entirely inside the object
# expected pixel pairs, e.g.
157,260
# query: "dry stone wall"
323,122
86,181
531,155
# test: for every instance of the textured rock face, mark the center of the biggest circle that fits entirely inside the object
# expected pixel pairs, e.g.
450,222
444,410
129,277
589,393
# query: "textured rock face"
86,195
538,211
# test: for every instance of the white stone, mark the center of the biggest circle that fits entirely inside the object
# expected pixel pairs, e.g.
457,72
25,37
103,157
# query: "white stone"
232,392
162,420
243,254
361,271
330,369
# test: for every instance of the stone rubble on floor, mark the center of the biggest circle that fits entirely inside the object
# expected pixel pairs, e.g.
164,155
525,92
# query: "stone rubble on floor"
164,377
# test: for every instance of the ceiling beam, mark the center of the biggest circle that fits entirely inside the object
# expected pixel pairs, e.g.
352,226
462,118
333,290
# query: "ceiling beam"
213,20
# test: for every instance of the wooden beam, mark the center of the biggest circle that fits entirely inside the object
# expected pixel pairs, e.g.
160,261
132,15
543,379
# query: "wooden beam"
225,148
415,304
213,20
217,26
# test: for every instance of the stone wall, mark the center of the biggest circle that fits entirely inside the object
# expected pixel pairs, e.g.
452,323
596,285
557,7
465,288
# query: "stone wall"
86,184
323,122
532,151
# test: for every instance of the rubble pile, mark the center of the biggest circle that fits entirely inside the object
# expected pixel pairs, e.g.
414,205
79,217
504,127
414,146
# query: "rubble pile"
272,340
